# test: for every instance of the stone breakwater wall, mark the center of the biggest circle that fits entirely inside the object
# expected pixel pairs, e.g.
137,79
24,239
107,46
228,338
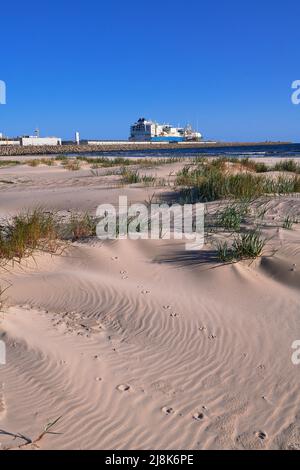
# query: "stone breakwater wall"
10,150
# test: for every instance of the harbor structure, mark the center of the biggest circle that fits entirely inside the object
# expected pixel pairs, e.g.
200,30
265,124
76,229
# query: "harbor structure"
35,140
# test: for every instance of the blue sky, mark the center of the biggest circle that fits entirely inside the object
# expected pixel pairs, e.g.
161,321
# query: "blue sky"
97,66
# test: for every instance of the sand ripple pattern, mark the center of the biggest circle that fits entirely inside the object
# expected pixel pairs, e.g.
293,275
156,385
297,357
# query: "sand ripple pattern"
136,354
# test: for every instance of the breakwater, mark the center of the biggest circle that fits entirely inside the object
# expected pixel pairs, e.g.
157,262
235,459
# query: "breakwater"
11,150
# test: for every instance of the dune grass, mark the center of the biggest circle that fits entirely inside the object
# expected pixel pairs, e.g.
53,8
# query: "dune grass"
121,161
42,231
288,223
130,176
79,227
5,163
204,183
287,165
34,162
133,176
231,217
71,164
48,161
247,245
27,233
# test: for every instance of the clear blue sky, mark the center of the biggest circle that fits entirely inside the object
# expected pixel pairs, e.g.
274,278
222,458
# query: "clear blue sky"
96,66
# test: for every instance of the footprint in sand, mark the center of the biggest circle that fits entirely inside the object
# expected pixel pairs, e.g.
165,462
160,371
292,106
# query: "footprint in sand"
145,292
114,258
166,307
168,410
123,388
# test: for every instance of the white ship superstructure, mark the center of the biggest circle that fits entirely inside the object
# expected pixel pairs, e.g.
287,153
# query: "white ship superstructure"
149,131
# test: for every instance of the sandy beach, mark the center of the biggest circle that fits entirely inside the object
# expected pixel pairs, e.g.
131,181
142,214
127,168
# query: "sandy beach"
141,344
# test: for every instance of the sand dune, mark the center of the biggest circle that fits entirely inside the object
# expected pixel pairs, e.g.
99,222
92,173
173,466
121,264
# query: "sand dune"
143,345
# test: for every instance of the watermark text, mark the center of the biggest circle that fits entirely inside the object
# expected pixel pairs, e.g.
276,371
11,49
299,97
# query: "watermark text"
296,93
2,92
152,221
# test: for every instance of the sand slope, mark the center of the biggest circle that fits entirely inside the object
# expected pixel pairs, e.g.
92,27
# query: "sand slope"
203,370
143,345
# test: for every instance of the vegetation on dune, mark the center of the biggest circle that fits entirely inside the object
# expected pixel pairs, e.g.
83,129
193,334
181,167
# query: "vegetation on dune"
250,165
34,162
71,164
209,182
247,245
48,161
287,165
133,176
122,162
288,222
4,163
42,231
80,226
231,217
27,233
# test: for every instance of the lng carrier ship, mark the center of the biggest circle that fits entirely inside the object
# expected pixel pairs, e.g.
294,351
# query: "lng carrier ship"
149,131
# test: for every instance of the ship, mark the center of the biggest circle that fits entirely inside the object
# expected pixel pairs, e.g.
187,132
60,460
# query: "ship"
150,131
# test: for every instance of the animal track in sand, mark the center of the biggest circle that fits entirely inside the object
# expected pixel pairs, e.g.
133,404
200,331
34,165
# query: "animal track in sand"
145,292
2,404
123,388
198,416
168,410
212,336
261,435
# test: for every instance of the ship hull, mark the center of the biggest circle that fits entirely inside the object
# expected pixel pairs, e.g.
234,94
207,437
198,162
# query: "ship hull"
167,139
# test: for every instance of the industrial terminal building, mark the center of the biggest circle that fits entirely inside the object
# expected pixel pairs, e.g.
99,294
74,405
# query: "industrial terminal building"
39,141
34,140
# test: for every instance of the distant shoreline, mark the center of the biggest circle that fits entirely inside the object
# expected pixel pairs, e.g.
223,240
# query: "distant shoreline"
12,150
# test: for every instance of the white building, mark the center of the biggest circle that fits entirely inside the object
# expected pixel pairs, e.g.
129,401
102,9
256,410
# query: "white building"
9,142
39,141
6,141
